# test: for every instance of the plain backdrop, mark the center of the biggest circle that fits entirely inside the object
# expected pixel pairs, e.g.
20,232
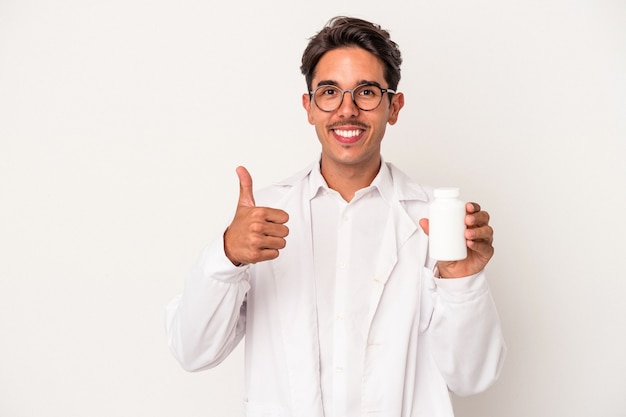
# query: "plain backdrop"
121,125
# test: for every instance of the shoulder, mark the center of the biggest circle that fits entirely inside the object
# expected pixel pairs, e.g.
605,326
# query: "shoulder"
281,190
405,188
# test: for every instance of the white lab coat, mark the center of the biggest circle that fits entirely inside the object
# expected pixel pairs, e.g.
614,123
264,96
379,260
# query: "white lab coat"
426,337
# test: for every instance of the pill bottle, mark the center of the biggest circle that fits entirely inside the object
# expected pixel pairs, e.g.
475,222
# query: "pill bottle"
447,226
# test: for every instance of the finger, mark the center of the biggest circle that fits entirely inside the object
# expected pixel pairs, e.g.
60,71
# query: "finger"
246,197
477,219
269,229
484,233
264,249
268,214
267,255
424,225
276,216
472,207
274,243
485,249
276,230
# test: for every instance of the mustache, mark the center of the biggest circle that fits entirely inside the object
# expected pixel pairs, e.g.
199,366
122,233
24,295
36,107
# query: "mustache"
351,123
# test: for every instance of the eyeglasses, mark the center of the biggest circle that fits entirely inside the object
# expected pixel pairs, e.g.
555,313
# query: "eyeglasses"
365,96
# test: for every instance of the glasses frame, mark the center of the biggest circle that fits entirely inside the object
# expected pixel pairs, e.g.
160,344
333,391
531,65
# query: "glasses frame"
351,91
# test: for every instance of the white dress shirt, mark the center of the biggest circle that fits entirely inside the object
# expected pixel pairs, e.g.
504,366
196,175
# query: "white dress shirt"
345,254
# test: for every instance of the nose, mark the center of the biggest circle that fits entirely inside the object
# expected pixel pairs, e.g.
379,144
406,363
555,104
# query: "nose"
347,107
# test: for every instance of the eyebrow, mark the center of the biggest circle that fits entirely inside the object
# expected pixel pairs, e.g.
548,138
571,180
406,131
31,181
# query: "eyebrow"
362,82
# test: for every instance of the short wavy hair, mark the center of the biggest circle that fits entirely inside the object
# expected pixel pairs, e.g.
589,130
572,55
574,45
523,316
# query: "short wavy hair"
342,31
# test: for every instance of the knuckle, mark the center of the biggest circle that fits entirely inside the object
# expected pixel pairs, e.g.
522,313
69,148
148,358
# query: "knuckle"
257,213
255,227
255,255
254,242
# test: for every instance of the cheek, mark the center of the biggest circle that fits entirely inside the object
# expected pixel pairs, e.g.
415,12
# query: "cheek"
319,132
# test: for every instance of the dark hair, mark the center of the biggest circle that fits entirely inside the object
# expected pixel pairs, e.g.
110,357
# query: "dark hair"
344,31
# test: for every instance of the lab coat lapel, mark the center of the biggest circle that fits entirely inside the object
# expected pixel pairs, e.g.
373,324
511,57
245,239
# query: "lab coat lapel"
295,286
398,230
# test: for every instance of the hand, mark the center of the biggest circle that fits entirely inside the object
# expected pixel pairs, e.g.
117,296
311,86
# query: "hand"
479,236
256,233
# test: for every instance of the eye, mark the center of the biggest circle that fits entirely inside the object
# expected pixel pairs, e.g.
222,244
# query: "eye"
327,91
368,91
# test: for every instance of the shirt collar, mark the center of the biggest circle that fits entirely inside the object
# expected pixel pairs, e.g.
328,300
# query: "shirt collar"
317,182
383,181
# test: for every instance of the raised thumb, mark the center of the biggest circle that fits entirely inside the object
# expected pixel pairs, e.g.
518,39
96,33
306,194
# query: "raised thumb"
246,197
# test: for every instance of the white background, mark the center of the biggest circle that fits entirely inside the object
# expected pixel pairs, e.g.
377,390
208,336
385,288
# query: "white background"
121,124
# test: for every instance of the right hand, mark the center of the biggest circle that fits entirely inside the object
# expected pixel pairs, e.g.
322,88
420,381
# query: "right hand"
256,233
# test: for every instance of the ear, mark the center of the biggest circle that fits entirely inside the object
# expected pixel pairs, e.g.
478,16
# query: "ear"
397,102
306,103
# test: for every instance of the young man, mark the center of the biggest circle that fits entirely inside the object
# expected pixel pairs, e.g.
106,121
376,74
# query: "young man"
343,311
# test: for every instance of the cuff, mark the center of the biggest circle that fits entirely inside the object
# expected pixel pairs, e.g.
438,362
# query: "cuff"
215,264
462,289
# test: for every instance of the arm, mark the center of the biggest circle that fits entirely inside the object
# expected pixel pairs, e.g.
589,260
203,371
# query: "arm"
207,321
466,339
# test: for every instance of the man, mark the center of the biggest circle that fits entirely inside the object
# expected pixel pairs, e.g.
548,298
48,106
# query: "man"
343,311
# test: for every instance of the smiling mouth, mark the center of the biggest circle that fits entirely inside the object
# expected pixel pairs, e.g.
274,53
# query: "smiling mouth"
347,133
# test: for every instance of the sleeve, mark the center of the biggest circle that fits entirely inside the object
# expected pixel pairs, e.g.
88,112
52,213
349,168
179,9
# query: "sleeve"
206,322
466,338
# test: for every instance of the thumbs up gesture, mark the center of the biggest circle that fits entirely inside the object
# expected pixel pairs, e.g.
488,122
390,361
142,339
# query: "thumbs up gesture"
256,233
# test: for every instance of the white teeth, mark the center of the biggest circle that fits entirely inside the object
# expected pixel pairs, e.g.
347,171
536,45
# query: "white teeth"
348,133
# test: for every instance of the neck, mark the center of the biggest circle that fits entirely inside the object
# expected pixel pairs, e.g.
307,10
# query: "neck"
347,180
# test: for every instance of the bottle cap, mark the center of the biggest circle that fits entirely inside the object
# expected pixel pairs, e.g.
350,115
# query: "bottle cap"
446,192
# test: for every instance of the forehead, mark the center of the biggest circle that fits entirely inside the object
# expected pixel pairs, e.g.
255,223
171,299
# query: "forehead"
348,67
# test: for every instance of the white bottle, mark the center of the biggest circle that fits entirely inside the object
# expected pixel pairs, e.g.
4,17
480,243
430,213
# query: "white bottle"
446,226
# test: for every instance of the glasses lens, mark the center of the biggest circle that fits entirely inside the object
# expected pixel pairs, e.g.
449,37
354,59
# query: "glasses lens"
328,97
367,97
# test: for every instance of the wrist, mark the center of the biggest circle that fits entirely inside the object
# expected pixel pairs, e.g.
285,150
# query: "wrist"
443,273
227,252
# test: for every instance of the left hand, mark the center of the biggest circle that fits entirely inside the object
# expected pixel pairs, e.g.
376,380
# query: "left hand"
479,236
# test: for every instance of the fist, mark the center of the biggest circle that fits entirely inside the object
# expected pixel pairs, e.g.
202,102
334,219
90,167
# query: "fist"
256,233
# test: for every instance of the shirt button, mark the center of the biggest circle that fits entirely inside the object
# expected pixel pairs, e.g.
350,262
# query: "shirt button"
342,265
